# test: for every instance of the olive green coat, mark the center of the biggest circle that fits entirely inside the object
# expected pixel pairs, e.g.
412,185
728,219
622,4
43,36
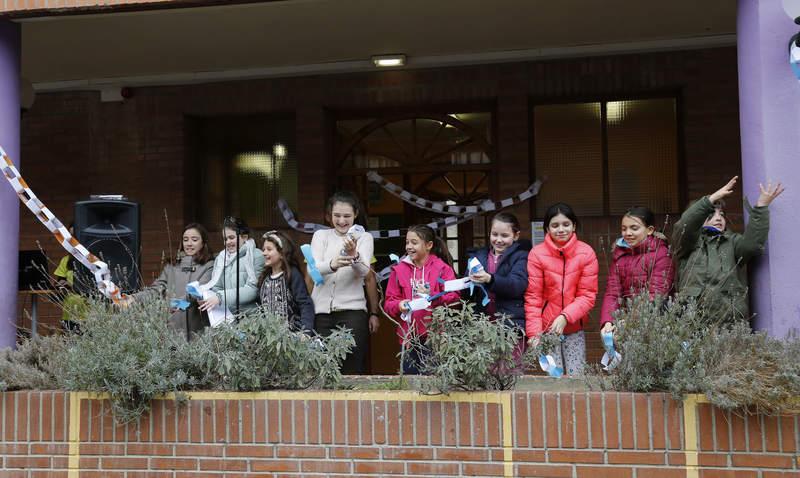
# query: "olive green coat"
713,268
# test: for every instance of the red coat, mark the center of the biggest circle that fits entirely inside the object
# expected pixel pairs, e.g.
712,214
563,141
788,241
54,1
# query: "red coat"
561,280
646,266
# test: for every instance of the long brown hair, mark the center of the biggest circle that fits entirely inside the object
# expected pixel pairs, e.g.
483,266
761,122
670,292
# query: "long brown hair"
288,250
439,247
203,255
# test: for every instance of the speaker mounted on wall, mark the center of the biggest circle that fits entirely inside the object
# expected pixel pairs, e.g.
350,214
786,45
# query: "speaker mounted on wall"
109,228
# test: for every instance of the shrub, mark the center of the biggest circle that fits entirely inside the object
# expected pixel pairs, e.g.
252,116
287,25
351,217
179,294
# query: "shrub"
674,345
548,343
133,356
263,352
34,365
468,351
738,369
130,354
652,335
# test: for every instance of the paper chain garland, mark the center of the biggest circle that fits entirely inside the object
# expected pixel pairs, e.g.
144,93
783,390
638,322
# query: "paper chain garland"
442,208
458,214
102,275
310,227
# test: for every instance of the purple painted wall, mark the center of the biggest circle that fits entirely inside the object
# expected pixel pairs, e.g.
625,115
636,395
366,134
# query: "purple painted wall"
769,101
9,203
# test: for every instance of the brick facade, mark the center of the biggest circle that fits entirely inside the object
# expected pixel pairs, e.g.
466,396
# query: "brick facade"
45,434
74,145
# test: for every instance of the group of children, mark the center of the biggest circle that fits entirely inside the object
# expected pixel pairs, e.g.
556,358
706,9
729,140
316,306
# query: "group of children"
550,287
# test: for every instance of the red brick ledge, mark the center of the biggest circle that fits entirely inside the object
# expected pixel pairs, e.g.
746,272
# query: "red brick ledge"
60,434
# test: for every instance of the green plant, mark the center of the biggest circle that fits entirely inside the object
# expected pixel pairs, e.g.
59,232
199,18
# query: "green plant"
548,343
652,335
468,351
676,345
263,352
738,369
130,354
34,365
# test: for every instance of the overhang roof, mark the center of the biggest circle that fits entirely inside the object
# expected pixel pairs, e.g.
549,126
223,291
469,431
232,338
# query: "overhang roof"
294,37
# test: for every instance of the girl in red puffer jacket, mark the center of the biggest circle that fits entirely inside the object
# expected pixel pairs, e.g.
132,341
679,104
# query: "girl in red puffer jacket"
562,286
642,261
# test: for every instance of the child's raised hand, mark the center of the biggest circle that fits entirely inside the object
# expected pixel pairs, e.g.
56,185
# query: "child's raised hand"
724,191
607,327
769,193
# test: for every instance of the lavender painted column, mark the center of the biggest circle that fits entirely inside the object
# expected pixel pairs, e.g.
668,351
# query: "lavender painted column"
769,100
9,203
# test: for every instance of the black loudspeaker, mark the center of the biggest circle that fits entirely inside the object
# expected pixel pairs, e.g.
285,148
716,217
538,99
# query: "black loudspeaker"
110,230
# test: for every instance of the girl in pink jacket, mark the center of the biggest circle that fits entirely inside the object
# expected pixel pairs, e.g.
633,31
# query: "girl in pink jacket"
641,261
417,275
562,286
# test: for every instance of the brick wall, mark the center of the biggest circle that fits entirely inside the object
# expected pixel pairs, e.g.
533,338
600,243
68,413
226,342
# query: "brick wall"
74,145
46,434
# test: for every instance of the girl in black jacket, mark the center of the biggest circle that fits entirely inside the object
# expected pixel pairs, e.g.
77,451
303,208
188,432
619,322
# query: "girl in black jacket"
505,272
282,286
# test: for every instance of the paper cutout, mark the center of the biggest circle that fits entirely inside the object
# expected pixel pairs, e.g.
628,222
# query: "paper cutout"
311,265
98,268
180,304
440,207
419,303
548,364
611,358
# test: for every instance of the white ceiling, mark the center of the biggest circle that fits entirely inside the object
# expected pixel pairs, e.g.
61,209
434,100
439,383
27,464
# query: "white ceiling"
308,36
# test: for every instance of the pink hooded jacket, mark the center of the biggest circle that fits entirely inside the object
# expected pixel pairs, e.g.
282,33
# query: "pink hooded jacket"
399,289
646,266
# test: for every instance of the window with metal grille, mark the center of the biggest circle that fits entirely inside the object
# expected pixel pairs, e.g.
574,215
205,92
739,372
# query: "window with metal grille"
605,157
244,165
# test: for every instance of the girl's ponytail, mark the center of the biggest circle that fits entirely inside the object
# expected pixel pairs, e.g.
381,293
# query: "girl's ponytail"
439,246
441,250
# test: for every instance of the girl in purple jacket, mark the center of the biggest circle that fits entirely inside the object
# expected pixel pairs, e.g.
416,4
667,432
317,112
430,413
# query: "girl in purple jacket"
641,261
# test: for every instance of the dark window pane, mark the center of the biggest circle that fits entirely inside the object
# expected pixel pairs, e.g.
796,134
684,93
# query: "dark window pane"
568,151
642,155
246,163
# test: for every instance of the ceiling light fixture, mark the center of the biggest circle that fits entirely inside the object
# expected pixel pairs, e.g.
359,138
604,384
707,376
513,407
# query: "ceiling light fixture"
389,61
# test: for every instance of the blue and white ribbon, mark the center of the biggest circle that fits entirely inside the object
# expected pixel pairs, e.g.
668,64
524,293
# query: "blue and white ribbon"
548,364
311,264
195,290
419,303
180,304
611,358
473,267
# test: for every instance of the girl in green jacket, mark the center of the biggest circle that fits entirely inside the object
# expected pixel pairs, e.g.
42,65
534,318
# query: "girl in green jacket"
712,260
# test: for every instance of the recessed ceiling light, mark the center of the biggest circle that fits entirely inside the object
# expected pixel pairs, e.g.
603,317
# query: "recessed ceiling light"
388,61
